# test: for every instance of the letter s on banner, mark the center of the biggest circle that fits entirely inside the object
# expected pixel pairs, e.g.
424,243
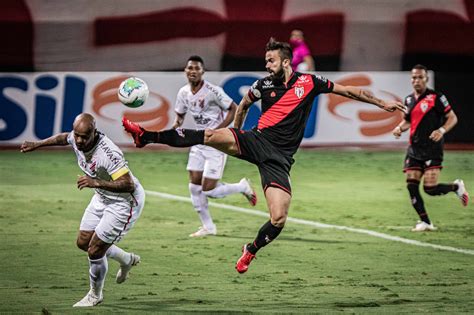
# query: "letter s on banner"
13,117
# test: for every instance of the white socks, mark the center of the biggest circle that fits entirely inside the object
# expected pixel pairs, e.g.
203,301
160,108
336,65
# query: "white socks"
97,272
199,200
223,190
119,255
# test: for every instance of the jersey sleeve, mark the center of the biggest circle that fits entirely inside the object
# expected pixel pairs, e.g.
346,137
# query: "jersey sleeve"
115,164
407,115
70,138
180,106
322,85
255,92
442,105
222,99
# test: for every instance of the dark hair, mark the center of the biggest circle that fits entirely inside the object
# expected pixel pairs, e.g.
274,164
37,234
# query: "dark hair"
284,48
420,67
196,58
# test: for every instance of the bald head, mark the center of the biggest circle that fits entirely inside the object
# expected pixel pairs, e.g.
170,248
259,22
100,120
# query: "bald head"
84,131
84,123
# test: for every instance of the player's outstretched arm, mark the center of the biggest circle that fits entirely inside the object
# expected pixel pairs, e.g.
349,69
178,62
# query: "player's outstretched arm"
59,139
242,111
367,97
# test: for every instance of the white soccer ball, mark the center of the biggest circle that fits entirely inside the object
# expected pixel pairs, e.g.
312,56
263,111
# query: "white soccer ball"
133,92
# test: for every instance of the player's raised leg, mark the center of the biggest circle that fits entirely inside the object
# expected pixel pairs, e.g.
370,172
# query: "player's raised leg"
433,188
221,139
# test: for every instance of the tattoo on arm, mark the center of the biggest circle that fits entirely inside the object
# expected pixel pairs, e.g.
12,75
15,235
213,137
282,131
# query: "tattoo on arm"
122,184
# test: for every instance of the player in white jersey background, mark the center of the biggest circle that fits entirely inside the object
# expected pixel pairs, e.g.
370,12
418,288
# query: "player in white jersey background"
113,210
211,108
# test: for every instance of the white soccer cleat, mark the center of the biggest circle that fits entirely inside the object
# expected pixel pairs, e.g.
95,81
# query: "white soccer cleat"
204,232
123,272
249,191
423,227
462,193
89,300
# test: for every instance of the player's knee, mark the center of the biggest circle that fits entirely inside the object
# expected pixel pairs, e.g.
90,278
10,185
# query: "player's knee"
95,252
279,220
209,134
82,245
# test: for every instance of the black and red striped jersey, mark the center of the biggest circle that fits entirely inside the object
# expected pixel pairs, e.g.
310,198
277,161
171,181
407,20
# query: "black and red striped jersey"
286,107
426,114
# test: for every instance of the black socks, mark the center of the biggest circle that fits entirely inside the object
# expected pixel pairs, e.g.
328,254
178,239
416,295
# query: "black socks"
440,189
175,137
267,233
416,200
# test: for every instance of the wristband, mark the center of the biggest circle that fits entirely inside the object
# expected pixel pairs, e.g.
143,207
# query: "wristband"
442,130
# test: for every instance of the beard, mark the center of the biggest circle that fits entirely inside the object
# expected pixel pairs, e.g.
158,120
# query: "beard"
279,75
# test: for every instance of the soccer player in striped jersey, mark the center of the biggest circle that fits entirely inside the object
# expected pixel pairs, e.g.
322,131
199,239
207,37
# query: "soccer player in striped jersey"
116,205
429,117
286,98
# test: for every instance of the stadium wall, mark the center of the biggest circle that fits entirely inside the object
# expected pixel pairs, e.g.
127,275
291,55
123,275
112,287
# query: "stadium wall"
144,35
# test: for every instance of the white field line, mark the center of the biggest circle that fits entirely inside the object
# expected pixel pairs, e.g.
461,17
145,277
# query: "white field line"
320,225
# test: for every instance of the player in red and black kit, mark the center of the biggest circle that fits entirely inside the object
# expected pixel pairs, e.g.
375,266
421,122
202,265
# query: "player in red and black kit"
429,117
286,103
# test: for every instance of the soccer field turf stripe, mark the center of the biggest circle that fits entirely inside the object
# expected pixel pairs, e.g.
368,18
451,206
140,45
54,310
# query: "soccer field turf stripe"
320,225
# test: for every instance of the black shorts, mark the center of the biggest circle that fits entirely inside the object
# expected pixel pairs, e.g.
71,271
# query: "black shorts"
273,165
421,165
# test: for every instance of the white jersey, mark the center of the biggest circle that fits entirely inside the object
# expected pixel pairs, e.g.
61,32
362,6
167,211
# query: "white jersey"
104,161
207,106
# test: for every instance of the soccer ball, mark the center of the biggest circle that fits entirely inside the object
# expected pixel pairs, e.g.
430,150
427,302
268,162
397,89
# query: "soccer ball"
133,92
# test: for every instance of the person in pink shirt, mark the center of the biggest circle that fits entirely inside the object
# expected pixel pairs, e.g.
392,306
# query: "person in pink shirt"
302,59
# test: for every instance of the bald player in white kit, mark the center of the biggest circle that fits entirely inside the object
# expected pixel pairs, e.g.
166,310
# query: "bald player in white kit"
211,108
116,205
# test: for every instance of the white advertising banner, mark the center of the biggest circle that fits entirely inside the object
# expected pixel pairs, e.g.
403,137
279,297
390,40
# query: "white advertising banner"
35,106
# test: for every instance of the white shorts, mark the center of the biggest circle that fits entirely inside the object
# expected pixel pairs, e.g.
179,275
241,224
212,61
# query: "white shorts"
209,161
111,220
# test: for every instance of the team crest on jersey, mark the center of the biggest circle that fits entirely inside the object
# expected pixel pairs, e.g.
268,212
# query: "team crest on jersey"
424,106
273,94
303,79
408,100
299,91
92,166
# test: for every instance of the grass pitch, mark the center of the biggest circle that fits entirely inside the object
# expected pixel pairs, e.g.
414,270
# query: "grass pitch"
306,270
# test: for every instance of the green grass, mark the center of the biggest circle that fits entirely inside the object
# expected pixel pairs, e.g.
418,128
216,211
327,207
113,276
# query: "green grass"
306,270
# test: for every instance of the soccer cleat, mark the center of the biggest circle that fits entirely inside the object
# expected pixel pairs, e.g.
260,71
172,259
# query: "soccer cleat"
244,261
462,193
123,272
135,130
249,193
422,226
202,231
89,300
